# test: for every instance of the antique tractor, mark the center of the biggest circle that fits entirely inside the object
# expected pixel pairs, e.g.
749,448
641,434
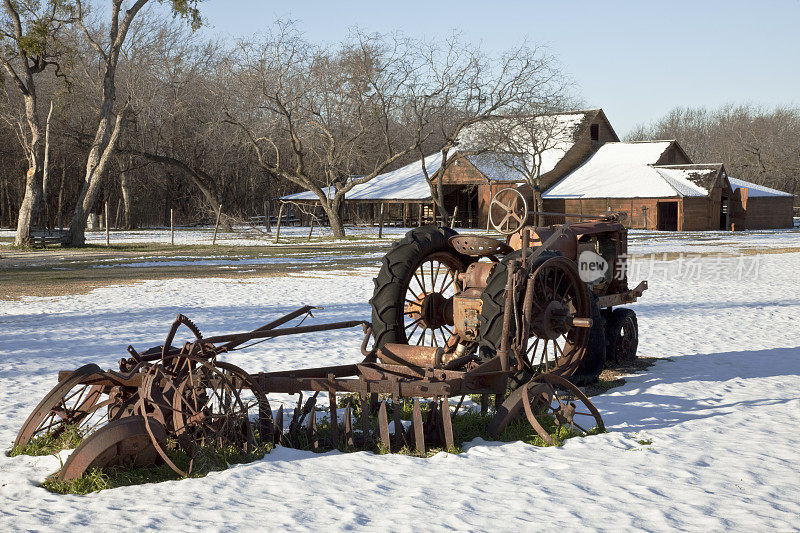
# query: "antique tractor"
450,292
453,316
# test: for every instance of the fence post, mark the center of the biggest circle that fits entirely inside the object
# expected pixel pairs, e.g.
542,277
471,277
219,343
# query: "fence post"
105,219
278,226
216,226
171,226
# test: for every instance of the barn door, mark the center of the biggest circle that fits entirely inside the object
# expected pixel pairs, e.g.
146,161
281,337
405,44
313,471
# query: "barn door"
668,216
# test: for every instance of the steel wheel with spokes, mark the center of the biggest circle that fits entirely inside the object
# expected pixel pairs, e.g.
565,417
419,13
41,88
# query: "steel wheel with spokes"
428,305
71,404
555,297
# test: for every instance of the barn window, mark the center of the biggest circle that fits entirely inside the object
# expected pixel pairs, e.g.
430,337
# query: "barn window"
594,130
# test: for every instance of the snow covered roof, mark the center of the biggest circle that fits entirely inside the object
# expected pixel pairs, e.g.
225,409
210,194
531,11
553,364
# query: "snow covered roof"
408,182
703,175
625,170
555,134
405,183
754,189
500,167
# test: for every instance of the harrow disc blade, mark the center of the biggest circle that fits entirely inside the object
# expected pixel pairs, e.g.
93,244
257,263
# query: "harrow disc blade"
120,442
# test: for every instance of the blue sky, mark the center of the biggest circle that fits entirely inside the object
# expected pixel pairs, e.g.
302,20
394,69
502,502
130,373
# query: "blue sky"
636,60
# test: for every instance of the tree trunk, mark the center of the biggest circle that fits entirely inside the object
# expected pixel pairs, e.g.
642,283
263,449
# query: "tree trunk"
538,219
33,181
125,187
44,212
103,147
60,215
331,208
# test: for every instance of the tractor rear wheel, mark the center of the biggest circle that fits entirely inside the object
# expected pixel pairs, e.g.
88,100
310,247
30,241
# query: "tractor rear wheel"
414,288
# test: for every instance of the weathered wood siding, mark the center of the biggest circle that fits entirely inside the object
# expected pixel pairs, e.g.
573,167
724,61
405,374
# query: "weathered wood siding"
761,212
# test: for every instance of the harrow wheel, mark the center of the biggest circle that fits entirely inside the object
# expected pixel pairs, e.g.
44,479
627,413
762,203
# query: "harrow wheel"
208,410
121,442
69,405
412,302
548,395
565,402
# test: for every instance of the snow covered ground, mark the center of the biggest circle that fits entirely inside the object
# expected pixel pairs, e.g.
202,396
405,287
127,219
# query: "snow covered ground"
721,412
640,241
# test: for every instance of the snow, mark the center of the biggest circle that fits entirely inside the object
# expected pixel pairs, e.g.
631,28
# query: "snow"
405,183
679,180
624,170
555,135
242,236
754,189
720,408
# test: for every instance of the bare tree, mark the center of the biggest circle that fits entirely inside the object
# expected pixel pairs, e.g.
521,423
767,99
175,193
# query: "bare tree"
755,144
28,35
325,120
527,145
111,120
472,88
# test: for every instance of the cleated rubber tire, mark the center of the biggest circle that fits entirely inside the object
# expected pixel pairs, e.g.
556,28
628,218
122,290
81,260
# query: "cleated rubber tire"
399,265
595,360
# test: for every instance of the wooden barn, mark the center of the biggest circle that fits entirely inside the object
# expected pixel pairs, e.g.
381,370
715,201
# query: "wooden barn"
758,207
660,189
585,170
469,181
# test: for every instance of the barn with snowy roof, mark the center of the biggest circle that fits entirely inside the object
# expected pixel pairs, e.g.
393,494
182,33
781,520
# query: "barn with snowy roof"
584,170
658,186
469,179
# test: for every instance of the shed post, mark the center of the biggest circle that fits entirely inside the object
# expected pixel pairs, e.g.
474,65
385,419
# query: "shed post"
405,214
630,222
580,206
380,222
644,216
419,212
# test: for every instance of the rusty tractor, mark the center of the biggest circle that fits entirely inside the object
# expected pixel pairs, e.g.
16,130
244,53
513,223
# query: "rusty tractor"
452,315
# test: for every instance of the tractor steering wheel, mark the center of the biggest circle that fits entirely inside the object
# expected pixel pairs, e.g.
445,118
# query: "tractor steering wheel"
508,211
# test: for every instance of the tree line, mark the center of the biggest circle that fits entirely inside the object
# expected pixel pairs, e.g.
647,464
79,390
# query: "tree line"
123,103
128,105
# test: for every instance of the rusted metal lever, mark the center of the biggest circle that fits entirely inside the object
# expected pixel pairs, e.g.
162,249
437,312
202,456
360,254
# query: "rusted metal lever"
274,324
238,338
